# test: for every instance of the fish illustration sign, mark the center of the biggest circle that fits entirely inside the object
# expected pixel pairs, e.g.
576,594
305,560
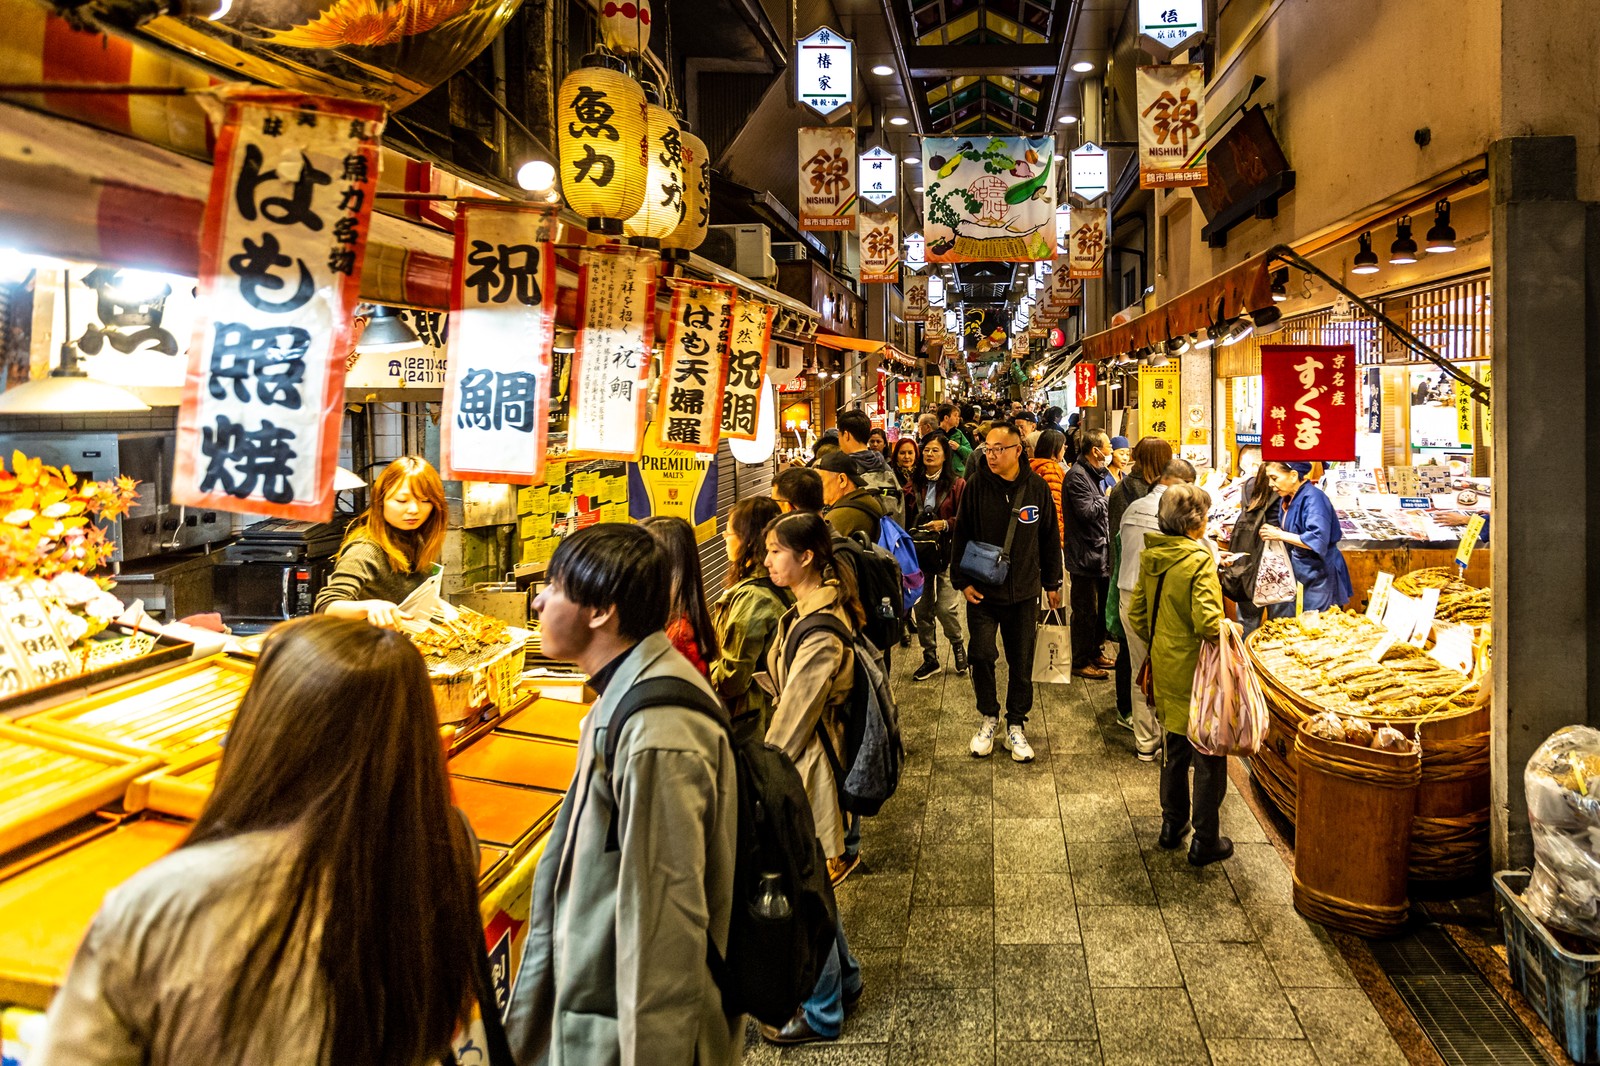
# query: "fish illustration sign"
989,199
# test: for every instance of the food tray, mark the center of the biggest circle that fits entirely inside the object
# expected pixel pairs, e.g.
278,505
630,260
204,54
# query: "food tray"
515,760
163,650
1562,987
46,908
556,719
466,683
180,793
179,716
503,815
47,781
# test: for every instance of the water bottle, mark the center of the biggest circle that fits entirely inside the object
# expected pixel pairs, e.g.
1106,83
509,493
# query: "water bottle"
885,609
771,904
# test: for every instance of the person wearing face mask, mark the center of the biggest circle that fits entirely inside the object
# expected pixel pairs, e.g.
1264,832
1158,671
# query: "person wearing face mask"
391,549
1088,555
1310,531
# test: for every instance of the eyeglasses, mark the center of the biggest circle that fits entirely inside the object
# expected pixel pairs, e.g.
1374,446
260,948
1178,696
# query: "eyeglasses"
999,449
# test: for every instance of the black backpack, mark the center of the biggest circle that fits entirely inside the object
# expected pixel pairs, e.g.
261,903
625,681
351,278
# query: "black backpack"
867,772
880,585
772,963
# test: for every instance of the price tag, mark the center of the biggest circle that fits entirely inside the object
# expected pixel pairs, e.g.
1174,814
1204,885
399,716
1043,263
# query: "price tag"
1453,648
1427,604
1299,598
1469,541
1380,596
1400,614
1380,649
1415,503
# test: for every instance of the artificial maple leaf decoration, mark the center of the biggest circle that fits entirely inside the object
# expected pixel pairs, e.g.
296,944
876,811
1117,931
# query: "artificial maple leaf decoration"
51,520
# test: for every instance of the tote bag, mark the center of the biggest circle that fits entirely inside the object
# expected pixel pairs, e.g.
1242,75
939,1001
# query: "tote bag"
1052,654
1227,710
1275,576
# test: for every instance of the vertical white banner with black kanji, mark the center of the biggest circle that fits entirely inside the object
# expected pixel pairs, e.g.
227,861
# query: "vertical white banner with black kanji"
694,369
502,327
281,248
748,346
611,367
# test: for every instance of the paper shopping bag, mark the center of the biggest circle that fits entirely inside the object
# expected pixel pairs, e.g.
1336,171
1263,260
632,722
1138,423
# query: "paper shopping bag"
1052,654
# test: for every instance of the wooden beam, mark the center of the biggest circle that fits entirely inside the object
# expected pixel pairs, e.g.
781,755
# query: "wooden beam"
959,60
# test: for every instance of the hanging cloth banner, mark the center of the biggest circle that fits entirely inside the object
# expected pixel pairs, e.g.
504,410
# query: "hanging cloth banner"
611,363
502,327
828,192
695,372
880,248
1083,378
1158,403
1307,393
1088,255
1065,291
281,247
1172,152
989,198
915,302
747,365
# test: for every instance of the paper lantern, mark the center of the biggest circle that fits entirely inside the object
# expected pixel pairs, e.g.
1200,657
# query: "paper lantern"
697,197
601,116
665,200
625,26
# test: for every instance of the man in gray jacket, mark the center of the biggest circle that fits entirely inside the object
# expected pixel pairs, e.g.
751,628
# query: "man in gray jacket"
615,967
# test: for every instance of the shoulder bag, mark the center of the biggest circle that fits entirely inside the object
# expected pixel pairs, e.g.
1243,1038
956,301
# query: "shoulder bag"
991,563
1147,681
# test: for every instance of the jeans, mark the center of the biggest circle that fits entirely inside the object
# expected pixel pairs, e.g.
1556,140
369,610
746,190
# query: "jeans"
937,604
852,834
1017,625
1146,726
1088,618
824,1009
1123,675
1210,785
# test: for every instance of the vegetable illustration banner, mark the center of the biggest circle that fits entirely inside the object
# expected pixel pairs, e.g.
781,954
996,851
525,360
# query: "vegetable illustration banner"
989,199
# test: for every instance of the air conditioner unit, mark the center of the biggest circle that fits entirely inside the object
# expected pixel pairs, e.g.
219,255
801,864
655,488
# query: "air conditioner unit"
745,250
789,252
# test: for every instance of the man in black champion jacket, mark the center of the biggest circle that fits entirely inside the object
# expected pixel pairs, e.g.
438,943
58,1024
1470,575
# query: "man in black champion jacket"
1000,484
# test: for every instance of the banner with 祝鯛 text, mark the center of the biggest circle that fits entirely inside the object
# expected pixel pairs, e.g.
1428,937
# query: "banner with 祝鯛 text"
748,346
695,368
611,363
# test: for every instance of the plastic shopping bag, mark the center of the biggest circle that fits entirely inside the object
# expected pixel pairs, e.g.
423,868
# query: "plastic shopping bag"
1227,710
1562,782
1052,654
1275,576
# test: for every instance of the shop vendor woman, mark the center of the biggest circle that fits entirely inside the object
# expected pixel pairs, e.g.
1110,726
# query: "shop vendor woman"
1310,529
392,548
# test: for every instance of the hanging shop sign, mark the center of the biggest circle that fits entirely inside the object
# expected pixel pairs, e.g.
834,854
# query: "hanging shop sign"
691,231
1170,26
611,362
281,248
989,199
1159,415
603,141
665,203
1063,230
748,346
908,396
1172,152
1090,173
625,26
934,331
880,248
689,409
1088,256
502,328
1083,381
674,484
1307,395
916,252
914,305
935,292
878,175
1065,291
827,178
825,71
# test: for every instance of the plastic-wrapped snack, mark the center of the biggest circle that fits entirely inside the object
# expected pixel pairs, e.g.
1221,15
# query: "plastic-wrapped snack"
1563,787
1358,731
1326,726
1388,738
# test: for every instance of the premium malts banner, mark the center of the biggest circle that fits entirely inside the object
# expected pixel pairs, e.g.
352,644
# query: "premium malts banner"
1308,402
695,368
1087,255
748,347
611,365
880,248
828,190
281,247
1172,121
502,327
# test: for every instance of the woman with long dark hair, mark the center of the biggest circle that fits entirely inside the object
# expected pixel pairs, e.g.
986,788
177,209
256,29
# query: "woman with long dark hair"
746,616
1247,545
391,549
813,688
932,500
324,907
689,624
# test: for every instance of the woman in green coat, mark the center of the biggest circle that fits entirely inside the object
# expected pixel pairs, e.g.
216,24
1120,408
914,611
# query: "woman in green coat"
746,617
1177,604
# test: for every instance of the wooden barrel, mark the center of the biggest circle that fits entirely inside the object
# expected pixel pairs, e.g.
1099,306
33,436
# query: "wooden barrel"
1353,834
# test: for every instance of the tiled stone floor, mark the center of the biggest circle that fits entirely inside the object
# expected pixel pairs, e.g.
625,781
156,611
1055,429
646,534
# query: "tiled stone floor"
1022,915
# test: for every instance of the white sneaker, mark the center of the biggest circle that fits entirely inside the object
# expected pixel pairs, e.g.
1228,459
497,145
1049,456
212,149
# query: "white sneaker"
1017,744
983,740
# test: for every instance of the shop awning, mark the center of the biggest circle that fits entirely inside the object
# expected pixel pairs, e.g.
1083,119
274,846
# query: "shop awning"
1230,294
870,347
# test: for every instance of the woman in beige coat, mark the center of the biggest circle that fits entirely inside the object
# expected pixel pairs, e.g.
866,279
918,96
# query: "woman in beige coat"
813,688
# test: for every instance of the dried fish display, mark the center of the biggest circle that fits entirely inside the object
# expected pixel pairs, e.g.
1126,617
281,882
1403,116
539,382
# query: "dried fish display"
1459,602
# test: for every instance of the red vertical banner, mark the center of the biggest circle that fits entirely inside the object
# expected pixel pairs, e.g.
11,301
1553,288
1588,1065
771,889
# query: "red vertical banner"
748,346
1083,377
281,247
502,329
611,364
694,371
1308,402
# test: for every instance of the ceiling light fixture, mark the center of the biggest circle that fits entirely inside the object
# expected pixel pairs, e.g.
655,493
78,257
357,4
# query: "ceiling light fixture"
1366,260
1203,339
1404,249
536,176
1280,284
882,70
1177,345
1067,120
1266,320
386,332
899,120
1156,359
919,188
1083,66
68,390
1441,237
1236,332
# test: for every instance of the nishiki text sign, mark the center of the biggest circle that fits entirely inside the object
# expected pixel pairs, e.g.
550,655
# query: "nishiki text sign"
281,247
1308,398
828,198
1172,119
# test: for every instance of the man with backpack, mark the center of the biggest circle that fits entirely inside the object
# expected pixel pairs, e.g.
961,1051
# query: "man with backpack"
1007,548
849,505
854,429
